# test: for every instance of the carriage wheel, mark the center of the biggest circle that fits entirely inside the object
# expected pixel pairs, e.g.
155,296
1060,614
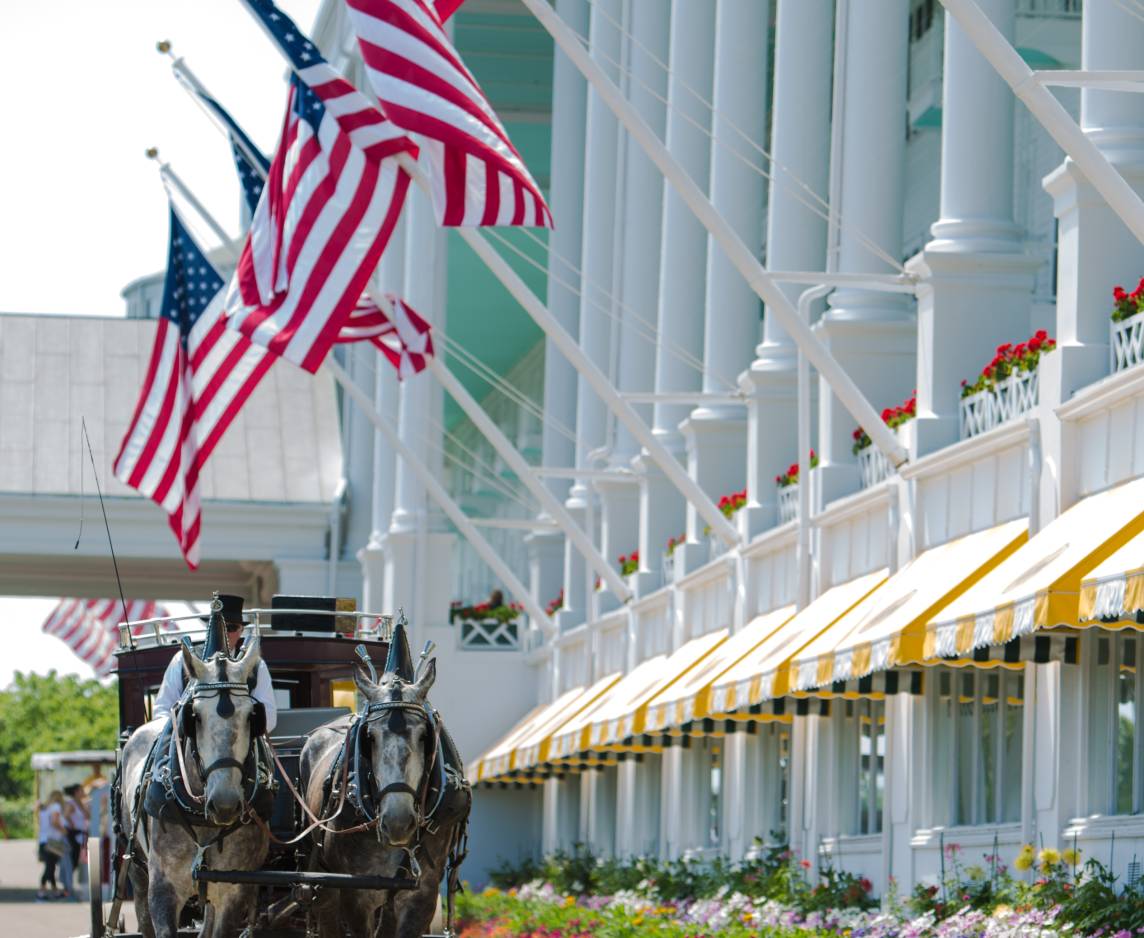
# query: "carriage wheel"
95,886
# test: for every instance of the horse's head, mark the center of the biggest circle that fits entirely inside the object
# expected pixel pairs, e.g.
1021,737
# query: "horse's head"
402,746
222,718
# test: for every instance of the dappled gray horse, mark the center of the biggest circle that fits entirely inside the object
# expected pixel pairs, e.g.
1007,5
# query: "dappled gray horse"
397,814
212,745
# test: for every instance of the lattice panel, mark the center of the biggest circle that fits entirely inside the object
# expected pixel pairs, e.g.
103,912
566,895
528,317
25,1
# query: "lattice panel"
1127,342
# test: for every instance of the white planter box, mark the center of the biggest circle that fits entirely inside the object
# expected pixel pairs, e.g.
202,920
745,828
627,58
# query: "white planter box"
873,466
1127,342
788,503
488,634
1013,397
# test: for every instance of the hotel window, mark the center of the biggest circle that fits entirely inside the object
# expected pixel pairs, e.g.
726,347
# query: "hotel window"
978,727
862,728
1116,747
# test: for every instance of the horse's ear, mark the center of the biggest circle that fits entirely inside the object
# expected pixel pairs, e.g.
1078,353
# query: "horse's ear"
369,689
196,668
425,681
251,655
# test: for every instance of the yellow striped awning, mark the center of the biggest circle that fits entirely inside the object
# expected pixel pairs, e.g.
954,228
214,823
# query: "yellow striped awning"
571,739
690,697
1039,585
1113,591
765,672
533,749
482,769
887,629
626,712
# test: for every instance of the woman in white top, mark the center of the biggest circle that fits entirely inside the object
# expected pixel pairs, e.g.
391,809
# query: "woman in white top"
53,844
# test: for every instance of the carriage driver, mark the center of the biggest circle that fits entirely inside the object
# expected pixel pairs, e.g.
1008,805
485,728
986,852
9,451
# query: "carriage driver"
174,680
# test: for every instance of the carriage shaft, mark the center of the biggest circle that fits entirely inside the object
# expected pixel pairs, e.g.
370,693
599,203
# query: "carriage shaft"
297,878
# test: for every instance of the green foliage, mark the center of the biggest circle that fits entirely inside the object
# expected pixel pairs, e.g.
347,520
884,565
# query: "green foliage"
49,713
17,817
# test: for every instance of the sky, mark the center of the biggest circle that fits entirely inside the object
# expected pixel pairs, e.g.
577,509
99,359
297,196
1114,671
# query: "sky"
82,211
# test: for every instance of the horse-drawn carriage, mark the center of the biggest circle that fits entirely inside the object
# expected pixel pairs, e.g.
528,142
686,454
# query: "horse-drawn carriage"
341,819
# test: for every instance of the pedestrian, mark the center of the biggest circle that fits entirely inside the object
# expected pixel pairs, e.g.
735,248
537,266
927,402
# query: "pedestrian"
52,843
75,820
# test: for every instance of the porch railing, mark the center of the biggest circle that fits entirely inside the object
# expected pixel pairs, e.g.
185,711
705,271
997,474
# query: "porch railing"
788,503
873,466
489,634
992,407
1127,342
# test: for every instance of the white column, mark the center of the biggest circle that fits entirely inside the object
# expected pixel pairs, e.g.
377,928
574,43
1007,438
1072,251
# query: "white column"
716,436
414,547
683,262
642,212
796,236
386,389
1095,250
979,281
601,146
566,198
870,334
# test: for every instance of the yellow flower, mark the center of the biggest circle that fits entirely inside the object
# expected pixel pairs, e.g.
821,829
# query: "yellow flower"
569,901
1001,911
1071,857
1049,857
638,920
1025,858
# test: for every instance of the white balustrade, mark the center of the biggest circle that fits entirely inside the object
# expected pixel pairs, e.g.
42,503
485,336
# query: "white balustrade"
1011,398
873,466
1127,342
788,503
489,634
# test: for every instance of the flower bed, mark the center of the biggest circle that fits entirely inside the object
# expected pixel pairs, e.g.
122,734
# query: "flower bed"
577,895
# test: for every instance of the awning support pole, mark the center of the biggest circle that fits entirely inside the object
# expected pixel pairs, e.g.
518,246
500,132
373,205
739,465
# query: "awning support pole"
757,277
437,492
509,453
1049,112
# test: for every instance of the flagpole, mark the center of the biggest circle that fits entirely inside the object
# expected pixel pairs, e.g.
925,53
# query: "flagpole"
445,502
196,88
169,175
756,275
599,382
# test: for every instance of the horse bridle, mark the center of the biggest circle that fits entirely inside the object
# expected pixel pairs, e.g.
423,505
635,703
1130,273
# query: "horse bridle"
202,690
373,712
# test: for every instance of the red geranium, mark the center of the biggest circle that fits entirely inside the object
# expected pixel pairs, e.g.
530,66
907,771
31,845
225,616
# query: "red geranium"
1010,359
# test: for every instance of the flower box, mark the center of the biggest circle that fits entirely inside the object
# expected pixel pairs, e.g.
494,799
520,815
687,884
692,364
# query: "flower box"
489,634
873,466
1009,399
788,503
1127,342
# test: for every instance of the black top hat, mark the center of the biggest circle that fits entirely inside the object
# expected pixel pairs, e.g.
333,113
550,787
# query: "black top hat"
226,614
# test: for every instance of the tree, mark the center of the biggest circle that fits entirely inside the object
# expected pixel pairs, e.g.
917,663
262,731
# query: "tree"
49,713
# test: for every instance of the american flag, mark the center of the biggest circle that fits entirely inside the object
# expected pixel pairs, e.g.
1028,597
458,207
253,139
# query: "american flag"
199,376
423,86
334,194
90,627
406,340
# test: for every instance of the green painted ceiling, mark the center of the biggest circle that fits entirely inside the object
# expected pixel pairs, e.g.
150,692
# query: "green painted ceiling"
510,55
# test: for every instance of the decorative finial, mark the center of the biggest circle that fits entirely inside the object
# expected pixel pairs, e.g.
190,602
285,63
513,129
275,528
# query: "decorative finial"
164,46
152,153
216,603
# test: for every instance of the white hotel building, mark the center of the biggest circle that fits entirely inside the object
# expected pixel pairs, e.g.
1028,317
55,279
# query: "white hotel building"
954,656
961,665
